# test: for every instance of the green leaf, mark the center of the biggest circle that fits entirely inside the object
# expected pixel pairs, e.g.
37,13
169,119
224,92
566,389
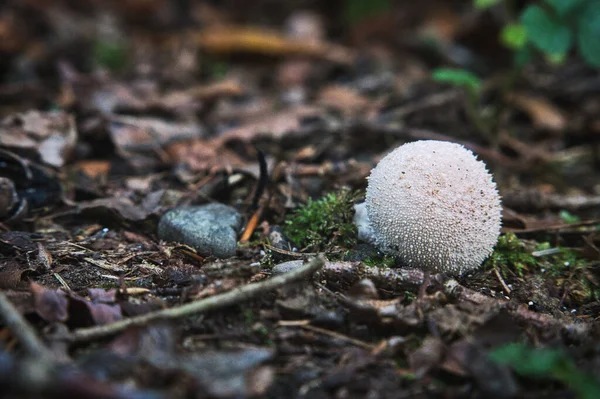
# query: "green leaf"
525,360
484,4
514,36
547,33
523,56
356,11
457,77
564,7
547,363
588,34
110,54
568,217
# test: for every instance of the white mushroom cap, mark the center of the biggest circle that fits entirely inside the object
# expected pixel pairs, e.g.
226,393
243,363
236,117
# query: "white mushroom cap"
435,206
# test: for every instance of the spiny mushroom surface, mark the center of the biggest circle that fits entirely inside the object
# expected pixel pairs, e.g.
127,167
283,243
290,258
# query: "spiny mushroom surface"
435,206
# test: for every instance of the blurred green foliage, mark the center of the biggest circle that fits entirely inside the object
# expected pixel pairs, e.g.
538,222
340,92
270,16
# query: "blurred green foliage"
357,10
553,28
547,363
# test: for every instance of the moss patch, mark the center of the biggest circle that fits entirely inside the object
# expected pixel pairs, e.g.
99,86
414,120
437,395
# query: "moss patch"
325,223
566,271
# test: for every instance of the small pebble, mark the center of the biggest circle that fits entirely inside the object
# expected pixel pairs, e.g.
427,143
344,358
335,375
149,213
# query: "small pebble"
286,267
211,229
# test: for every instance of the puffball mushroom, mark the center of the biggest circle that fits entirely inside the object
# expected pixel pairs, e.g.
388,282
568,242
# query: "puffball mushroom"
435,206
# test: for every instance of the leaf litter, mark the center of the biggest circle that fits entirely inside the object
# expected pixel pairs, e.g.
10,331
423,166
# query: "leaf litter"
112,114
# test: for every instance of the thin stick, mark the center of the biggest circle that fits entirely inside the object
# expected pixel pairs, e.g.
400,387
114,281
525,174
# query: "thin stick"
305,324
501,280
251,226
22,330
340,336
232,297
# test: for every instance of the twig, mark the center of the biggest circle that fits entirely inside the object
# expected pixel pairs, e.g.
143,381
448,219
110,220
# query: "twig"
251,225
290,253
339,336
22,330
232,297
534,200
342,275
501,280
305,324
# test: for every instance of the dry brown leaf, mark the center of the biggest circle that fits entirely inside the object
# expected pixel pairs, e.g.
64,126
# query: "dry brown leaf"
233,39
51,134
124,207
428,357
93,168
142,134
13,279
214,90
344,100
11,34
542,112
83,311
274,126
201,155
212,154
50,305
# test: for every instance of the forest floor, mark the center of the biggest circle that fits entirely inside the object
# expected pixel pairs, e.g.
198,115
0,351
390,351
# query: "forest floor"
114,112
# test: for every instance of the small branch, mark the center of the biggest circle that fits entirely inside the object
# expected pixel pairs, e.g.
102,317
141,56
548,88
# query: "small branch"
342,275
22,330
502,282
232,297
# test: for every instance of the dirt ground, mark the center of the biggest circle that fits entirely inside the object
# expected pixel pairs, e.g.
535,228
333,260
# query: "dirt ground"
114,112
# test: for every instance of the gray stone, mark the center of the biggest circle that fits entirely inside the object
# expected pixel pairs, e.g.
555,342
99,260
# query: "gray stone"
286,267
211,229
361,220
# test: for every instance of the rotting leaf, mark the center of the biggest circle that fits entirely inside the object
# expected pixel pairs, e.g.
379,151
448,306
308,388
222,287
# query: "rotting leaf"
20,240
100,295
467,358
50,305
122,206
51,134
225,374
427,357
14,277
85,313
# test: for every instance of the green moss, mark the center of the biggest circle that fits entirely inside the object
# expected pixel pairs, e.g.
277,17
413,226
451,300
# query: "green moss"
385,261
564,268
325,223
512,255
570,274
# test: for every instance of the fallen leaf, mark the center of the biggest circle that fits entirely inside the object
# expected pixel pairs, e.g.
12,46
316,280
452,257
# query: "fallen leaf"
122,206
93,169
428,357
100,295
226,374
542,112
344,100
20,240
43,259
85,313
232,39
14,277
146,134
50,305
51,134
